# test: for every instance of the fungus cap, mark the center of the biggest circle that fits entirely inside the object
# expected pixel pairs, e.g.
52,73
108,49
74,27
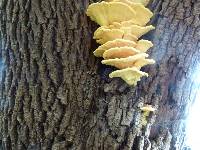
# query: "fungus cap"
143,62
103,35
112,44
105,13
143,2
147,108
143,45
143,15
127,27
131,61
130,75
120,52
136,30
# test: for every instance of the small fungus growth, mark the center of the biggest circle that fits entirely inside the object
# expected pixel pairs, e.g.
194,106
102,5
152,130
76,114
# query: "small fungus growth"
145,113
122,23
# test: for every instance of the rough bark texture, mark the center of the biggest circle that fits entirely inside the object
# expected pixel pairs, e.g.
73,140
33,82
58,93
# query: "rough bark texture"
55,94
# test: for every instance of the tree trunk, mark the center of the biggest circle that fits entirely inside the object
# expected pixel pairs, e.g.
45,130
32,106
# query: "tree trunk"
56,95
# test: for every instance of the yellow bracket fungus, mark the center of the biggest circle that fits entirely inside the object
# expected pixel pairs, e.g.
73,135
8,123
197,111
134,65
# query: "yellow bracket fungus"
113,44
105,13
137,60
122,23
104,35
147,108
120,52
144,45
143,14
145,113
135,30
130,75
141,45
143,2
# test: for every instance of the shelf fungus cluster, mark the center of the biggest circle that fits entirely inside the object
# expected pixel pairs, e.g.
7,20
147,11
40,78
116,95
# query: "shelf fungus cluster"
122,23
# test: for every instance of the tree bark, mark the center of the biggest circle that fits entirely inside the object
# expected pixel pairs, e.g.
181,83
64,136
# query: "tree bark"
55,94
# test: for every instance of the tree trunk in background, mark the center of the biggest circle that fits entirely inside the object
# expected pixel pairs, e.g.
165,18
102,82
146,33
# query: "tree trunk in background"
56,95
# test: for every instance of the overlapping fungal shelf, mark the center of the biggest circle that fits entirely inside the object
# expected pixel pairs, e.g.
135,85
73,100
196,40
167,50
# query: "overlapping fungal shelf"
122,23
